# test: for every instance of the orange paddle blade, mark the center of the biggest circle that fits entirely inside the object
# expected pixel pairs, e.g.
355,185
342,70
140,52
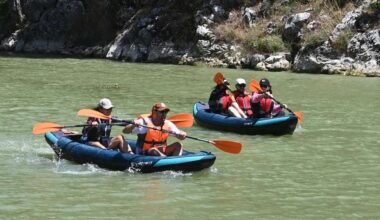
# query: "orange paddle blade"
42,128
183,120
255,86
218,78
299,116
93,113
232,147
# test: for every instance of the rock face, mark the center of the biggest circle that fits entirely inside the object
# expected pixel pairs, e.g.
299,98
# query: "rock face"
361,56
365,49
292,33
181,32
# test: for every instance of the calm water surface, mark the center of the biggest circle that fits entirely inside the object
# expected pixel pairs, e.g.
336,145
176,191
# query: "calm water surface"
328,169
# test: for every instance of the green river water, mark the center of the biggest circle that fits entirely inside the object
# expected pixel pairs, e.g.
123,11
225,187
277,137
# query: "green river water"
328,169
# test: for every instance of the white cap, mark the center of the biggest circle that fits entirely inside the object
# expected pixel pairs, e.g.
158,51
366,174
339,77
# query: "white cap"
105,103
240,81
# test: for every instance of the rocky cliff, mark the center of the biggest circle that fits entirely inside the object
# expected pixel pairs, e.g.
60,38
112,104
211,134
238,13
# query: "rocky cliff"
266,35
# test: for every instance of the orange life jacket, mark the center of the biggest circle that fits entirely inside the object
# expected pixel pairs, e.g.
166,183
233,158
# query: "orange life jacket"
266,105
244,102
154,138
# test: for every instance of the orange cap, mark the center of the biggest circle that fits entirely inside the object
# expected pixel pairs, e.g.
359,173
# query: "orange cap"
161,107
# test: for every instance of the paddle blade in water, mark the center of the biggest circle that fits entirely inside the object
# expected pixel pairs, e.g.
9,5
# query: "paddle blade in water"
93,113
232,147
255,86
218,78
299,116
41,128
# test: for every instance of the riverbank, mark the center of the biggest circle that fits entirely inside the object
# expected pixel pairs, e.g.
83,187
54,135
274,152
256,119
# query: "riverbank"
329,37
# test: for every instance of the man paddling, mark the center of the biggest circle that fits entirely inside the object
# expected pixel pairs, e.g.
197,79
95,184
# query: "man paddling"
154,141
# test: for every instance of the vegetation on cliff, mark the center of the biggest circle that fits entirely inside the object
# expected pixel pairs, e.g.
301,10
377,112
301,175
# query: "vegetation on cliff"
265,35
258,34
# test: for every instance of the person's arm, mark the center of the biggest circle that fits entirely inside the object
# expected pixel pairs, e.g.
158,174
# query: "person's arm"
212,100
277,107
257,97
128,128
90,129
181,135
235,105
135,128
232,97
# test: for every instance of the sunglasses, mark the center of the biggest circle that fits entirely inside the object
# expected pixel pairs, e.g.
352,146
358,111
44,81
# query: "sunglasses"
264,86
241,85
162,112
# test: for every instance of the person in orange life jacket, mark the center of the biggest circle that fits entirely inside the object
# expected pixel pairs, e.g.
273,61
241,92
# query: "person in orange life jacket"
241,100
219,100
262,105
153,142
98,134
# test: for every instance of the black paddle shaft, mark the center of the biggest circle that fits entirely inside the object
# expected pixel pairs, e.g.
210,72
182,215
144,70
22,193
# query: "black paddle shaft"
125,122
282,105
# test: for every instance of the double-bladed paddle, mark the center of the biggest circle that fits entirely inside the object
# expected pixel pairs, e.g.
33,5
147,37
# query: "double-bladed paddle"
255,86
182,120
44,127
232,147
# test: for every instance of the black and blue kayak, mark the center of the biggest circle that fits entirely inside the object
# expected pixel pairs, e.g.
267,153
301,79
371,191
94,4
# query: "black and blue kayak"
68,146
276,126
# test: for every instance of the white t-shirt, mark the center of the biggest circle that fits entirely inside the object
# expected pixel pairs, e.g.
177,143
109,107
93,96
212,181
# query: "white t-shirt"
143,130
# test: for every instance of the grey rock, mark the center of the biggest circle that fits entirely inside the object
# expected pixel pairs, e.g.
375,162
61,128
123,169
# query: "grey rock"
347,22
276,63
312,25
163,52
132,52
249,17
292,30
10,42
145,36
255,59
365,46
203,46
218,12
205,33
363,57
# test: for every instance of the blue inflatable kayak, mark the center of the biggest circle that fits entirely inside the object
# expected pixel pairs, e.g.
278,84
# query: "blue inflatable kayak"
275,126
68,146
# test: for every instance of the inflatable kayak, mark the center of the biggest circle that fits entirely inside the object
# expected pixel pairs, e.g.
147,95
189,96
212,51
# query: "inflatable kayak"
68,146
275,126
